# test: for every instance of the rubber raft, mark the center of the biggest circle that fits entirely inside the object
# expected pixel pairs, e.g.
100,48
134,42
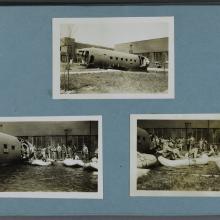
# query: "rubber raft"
91,166
40,163
73,163
204,159
145,160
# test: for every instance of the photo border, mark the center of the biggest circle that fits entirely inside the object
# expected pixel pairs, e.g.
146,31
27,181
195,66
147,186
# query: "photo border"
56,22
62,195
133,155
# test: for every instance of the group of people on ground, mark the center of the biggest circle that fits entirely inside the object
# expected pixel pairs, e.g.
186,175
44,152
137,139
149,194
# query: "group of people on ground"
174,148
55,152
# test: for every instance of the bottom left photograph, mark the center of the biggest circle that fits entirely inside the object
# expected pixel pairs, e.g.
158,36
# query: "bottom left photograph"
51,157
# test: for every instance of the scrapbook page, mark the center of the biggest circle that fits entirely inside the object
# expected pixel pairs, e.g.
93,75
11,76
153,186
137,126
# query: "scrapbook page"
109,110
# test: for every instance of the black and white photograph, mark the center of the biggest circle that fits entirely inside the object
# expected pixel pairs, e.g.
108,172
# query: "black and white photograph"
175,155
113,58
51,157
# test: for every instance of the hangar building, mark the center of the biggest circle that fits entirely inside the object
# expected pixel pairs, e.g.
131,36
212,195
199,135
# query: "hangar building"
42,134
208,129
68,47
154,49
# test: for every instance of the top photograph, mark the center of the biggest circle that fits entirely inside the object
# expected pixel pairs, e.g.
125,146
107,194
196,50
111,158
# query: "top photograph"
113,58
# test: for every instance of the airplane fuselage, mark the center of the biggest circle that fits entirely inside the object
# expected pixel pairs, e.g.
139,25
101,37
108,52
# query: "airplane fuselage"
103,58
143,141
10,149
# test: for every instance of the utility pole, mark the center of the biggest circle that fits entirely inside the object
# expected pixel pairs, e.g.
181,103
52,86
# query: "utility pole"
208,132
66,131
90,137
187,125
68,73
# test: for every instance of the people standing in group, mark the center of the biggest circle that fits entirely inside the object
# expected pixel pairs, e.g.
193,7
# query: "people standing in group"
192,141
155,142
174,148
46,152
64,151
201,144
34,151
205,145
69,152
59,152
54,152
85,152
43,153
74,148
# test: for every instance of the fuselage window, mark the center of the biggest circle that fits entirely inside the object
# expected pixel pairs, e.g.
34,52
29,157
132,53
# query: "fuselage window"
135,61
126,59
116,58
130,59
5,150
111,58
121,58
13,147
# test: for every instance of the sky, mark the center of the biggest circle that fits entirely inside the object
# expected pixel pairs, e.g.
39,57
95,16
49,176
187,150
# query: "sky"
109,33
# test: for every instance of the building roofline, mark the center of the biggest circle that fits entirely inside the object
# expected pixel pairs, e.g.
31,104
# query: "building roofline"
142,40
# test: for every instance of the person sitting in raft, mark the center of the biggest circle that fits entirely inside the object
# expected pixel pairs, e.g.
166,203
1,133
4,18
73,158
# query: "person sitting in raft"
179,144
94,160
85,151
43,153
154,143
212,150
195,151
169,152
75,156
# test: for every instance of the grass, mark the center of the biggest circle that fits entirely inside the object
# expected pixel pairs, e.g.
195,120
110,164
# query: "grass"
115,82
189,178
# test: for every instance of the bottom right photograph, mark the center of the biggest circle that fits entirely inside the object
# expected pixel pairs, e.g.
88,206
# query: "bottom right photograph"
175,155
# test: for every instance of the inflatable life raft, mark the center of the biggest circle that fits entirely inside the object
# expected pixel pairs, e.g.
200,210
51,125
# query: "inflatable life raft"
145,160
91,166
73,163
40,163
204,159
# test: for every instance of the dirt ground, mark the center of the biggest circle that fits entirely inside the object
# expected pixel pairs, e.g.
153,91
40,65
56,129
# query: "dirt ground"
82,80
186,178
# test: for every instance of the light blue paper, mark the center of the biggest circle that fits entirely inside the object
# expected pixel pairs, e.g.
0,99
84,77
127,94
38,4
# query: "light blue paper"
26,90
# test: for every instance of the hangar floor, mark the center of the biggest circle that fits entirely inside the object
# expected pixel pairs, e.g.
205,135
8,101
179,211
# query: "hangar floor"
94,80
